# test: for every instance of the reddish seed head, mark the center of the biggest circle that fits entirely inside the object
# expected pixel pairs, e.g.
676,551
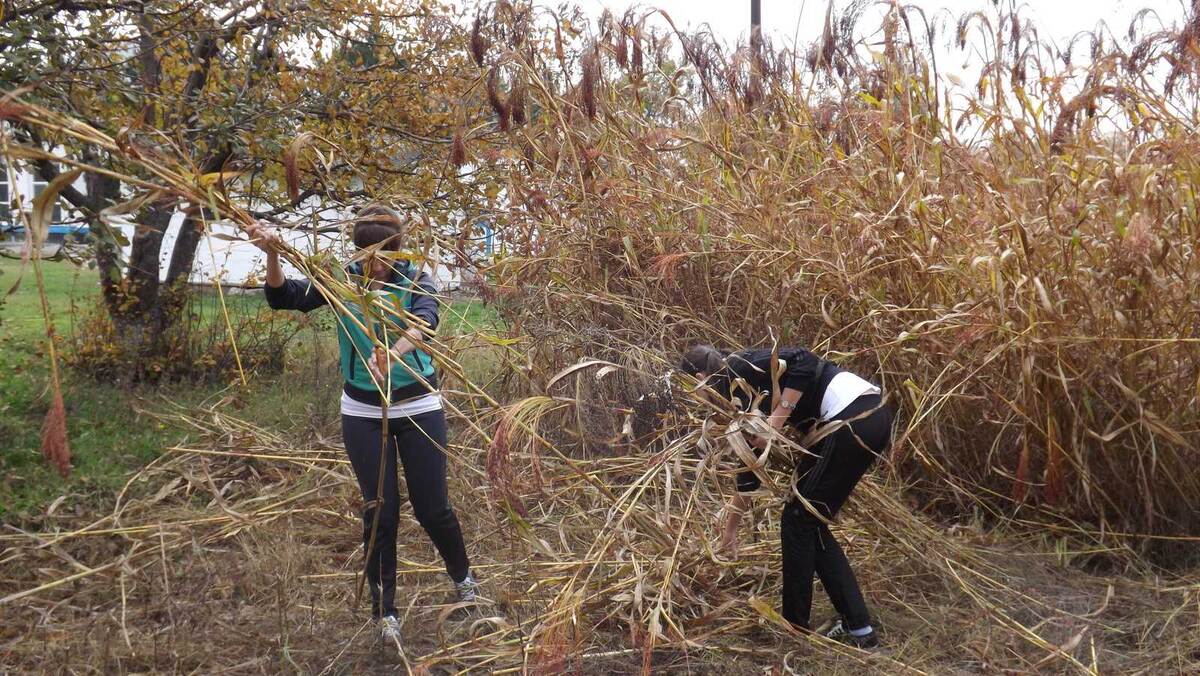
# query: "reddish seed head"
498,103
636,60
1020,486
12,111
478,43
516,104
291,174
558,44
587,85
825,53
458,150
55,447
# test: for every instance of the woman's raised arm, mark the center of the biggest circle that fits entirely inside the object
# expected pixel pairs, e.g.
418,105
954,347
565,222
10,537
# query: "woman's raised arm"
282,293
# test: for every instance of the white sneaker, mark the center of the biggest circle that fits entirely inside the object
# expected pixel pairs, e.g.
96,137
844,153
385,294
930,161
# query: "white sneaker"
390,628
468,589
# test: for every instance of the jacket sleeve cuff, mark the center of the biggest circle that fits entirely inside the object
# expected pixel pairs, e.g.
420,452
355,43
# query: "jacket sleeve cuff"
426,315
748,482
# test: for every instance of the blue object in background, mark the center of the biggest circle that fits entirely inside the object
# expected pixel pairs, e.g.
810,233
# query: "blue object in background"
55,235
489,238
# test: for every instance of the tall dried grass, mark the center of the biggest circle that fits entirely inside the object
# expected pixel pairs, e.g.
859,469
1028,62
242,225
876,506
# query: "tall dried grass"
1023,294
1016,264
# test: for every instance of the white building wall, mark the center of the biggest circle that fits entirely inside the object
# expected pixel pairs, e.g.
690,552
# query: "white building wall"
231,263
239,263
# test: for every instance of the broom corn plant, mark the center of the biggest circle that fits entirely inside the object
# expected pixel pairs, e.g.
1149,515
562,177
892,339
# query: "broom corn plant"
1013,260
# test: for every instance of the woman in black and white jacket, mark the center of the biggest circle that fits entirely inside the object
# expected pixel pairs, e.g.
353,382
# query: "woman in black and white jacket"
812,390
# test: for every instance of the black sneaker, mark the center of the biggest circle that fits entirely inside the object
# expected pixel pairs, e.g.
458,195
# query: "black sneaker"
838,632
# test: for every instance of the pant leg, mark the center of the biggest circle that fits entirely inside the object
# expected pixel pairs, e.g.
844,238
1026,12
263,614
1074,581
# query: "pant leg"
421,441
798,539
839,581
809,547
371,459
849,452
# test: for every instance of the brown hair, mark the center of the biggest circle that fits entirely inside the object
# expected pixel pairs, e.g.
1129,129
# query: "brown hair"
378,224
702,359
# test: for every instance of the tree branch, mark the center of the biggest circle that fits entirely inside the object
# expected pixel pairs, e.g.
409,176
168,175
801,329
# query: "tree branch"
48,172
52,7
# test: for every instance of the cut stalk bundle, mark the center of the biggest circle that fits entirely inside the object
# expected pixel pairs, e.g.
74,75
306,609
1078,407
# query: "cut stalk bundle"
615,572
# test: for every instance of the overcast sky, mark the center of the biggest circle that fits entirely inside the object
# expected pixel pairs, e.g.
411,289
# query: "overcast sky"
788,21
783,18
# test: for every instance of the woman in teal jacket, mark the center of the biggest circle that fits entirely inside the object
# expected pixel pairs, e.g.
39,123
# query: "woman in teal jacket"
416,423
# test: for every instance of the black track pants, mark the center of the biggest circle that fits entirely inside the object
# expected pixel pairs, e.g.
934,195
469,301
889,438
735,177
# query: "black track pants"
808,546
419,442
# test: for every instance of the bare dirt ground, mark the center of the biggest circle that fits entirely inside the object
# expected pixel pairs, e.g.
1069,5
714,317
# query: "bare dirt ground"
237,552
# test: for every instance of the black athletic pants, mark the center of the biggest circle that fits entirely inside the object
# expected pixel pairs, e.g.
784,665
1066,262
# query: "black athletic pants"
419,441
826,481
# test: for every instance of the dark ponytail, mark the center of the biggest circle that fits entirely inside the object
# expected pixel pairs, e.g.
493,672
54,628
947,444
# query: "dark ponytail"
702,359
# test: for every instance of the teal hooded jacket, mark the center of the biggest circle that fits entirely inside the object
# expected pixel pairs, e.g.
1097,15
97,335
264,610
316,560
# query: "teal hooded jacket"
410,291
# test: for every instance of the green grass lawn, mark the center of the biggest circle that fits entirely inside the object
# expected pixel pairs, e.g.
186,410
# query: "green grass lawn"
108,438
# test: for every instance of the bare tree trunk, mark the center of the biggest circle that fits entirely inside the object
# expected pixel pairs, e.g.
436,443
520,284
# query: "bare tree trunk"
147,309
139,321
103,191
144,309
183,254
143,271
